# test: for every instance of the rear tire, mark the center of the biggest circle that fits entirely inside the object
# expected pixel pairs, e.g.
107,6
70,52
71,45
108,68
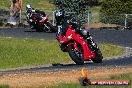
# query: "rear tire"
78,60
98,56
39,28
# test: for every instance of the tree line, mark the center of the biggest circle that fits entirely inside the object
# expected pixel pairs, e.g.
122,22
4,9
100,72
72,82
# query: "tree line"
108,7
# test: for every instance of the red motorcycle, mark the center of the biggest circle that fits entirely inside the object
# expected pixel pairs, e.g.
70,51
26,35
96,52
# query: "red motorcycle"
80,48
39,22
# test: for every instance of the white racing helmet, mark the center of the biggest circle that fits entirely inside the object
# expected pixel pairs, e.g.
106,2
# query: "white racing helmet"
28,6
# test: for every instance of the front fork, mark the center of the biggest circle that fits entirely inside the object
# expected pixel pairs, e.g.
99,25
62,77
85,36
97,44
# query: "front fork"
92,45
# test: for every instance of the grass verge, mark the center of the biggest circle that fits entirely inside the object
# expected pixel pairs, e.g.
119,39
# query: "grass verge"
41,4
109,50
4,86
77,85
16,52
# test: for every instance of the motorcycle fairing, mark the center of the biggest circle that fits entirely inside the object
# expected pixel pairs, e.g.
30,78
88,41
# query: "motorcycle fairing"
72,36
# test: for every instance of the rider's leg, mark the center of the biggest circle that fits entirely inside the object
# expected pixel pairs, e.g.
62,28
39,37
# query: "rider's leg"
64,29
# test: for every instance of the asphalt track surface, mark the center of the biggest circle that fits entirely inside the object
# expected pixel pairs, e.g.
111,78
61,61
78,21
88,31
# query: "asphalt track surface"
119,37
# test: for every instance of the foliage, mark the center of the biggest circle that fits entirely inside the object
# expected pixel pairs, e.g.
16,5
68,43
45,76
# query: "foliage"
70,5
110,8
92,3
81,7
75,7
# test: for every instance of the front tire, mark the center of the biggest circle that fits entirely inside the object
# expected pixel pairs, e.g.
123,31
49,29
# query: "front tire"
79,60
51,27
98,56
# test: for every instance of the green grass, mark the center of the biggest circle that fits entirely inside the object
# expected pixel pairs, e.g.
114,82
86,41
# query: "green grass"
77,85
109,50
4,86
24,52
41,4
4,4
15,52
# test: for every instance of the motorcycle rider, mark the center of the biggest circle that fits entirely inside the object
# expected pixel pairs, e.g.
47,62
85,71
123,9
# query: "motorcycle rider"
63,21
30,11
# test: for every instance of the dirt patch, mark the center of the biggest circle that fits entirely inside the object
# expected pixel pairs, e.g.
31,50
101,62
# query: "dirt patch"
34,80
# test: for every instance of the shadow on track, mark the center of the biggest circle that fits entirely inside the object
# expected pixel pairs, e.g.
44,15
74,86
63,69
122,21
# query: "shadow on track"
30,31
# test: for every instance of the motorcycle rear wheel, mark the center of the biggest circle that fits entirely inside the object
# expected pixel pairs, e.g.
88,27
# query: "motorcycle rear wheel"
79,60
39,28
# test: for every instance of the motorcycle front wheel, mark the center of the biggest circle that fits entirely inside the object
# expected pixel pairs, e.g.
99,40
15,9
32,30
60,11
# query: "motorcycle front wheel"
50,27
76,54
98,56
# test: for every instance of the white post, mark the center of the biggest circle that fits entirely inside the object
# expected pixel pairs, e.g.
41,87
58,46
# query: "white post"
53,19
125,20
88,18
11,8
20,1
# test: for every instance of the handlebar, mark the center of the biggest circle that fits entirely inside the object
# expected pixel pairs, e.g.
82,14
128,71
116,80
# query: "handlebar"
76,25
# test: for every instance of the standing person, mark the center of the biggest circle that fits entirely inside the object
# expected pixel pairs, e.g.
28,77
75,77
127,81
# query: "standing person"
15,9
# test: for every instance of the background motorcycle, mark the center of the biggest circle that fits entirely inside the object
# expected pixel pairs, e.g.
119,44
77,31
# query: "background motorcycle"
80,45
40,23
